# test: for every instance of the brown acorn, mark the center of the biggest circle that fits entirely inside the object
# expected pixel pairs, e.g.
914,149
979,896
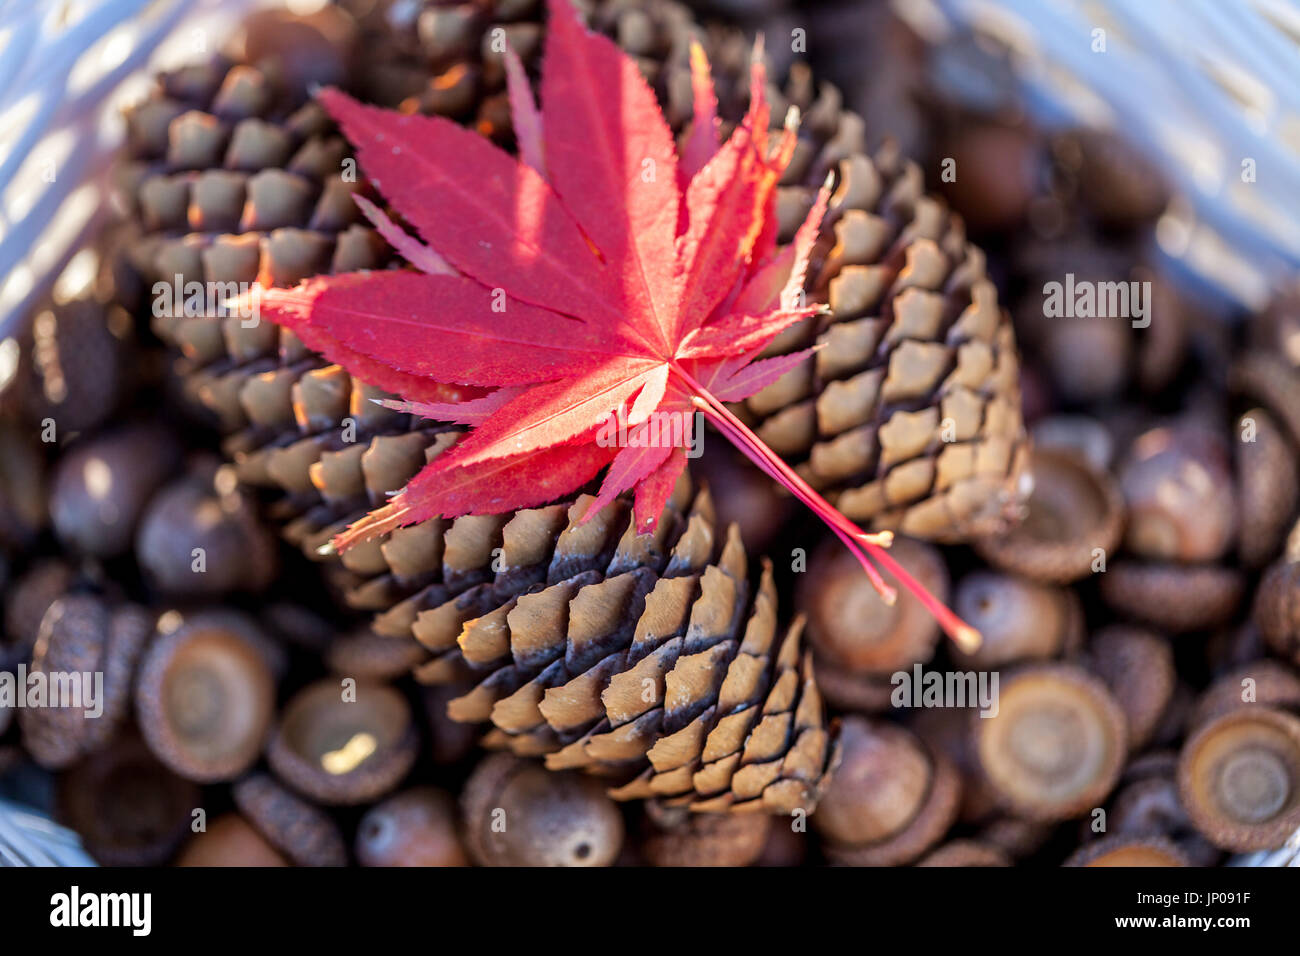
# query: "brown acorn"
1119,850
1179,489
1269,485
295,828
127,807
890,800
678,837
1075,514
205,696
201,537
519,814
230,840
858,640
1015,836
1056,746
1019,619
1138,667
1150,807
1239,778
1277,607
84,635
344,743
102,484
417,827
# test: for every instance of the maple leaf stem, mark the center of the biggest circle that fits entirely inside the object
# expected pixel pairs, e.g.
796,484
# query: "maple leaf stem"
857,540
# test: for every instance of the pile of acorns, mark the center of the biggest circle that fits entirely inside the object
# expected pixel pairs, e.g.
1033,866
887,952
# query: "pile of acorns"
1141,622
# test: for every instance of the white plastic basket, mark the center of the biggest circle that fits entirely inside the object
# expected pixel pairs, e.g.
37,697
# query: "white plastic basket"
1205,88
66,68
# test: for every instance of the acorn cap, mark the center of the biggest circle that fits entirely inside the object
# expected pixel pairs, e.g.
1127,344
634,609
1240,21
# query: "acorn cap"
1119,850
517,813
1138,667
1173,597
1266,377
1057,744
1262,683
1017,837
946,730
850,626
417,827
678,837
1269,486
302,832
344,751
1073,510
1178,486
128,808
230,840
1239,778
80,634
26,602
865,693
1149,807
81,364
1277,609
965,853
102,484
890,800
205,696
1018,618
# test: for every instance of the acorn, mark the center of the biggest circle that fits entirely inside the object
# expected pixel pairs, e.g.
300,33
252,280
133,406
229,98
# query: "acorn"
1268,377
303,833
363,653
1277,608
891,798
1138,667
1057,744
82,634
1239,778
202,538
517,813
344,742
965,853
230,840
1261,683
679,837
1074,516
1173,597
997,168
23,488
1269,486
1232,646
1019,619
1120,186
858,640
127,807
1178,485
1118,850
417,827
205,696
1150,807
102,484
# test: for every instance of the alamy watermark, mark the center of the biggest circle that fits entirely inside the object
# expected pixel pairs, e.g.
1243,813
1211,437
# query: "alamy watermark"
926,689
213,300
1084,299
659,430
77,690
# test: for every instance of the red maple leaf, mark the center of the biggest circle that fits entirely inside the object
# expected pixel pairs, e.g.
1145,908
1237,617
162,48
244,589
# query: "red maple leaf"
597,278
